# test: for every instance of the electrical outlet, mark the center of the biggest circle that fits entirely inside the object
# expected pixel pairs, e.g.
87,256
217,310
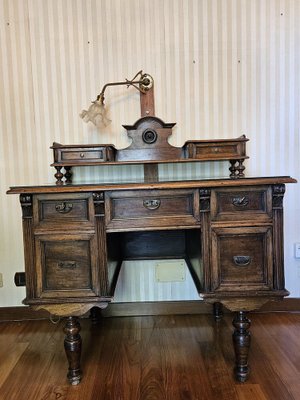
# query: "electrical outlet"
1,280
297,250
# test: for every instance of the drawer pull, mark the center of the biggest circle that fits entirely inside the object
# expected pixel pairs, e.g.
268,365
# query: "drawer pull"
242,261
81,155
64,207
67,264
152,204
240,201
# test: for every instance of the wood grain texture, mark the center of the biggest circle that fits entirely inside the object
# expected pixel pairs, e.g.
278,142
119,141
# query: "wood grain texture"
163,357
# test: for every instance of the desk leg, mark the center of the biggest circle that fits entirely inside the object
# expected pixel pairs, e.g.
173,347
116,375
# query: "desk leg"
241,342
73,349
95,315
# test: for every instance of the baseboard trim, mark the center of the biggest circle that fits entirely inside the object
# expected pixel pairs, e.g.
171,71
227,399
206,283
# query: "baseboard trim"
24,313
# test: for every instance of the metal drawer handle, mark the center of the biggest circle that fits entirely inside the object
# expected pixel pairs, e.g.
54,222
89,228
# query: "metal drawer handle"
64,207
242,261
152,204
67,264
241,201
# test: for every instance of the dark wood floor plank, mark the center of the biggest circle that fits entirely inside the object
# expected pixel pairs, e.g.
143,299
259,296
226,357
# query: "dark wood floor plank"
155,357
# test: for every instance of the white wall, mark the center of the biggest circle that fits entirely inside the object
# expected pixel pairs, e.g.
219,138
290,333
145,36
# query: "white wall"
221,68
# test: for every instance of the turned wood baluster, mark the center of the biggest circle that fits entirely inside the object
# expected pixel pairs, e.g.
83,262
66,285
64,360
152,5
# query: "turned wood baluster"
232,168
241,169
72,345
241,342
68,174
59,175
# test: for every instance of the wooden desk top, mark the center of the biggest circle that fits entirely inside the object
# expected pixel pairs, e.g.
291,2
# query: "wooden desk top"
209,183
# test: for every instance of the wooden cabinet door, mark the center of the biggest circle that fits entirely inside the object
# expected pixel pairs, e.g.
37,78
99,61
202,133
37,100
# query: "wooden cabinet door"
242,259
67,266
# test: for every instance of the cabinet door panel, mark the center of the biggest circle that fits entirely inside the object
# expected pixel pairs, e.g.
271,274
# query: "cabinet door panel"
242,258
67,266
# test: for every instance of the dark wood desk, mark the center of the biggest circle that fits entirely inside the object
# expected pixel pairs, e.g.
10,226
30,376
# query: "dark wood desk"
230,232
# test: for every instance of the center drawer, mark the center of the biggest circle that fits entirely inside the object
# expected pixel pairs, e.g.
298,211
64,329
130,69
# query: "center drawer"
147,209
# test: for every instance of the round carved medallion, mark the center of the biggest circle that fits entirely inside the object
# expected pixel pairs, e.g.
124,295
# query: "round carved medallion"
149,136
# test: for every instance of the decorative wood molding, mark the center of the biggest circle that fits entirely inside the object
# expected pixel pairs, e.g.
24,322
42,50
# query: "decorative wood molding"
24,313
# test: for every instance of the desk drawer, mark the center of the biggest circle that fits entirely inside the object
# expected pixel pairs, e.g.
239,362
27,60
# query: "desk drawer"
242,258
81,156
61,210
145,209
240,204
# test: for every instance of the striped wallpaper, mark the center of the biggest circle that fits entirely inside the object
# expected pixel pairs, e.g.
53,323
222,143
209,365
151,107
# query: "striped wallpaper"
222,68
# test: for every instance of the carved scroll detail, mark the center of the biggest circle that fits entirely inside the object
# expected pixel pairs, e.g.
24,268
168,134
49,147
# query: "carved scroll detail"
204,200
26,203
98,198
278,194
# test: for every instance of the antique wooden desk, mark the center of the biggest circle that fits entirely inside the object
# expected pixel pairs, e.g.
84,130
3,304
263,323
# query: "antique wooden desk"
229,231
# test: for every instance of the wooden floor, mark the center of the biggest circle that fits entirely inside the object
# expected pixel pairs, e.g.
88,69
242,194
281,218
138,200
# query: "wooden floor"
148,358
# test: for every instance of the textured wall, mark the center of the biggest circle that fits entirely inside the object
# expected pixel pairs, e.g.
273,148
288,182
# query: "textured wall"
221,68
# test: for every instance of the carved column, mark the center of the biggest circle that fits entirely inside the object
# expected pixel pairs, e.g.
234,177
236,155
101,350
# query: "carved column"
72,345
206,236
99,207
277,205
28,239
218,311
241,342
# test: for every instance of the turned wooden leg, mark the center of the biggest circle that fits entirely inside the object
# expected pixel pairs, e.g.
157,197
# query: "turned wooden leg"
73,349
218,311
241,342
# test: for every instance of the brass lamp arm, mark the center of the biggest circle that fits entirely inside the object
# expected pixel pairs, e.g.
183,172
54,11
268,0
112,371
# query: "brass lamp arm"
142,85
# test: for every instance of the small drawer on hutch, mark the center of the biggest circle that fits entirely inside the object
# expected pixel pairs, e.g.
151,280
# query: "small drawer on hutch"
225,149
83,155
62,209
66,266
146,209
242,259
241,204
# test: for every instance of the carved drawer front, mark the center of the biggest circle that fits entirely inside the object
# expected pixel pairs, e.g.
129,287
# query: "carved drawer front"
242,259
62,209
145,209
241,203
66,267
